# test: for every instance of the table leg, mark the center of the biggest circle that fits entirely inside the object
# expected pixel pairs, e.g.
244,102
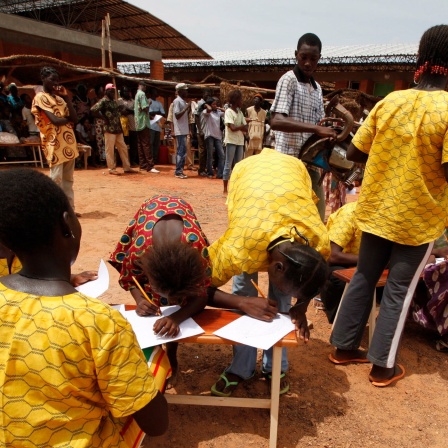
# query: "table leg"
275,395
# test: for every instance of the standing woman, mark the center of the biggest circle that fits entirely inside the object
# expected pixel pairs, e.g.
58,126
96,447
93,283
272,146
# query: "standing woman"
234,139
401,210
55,118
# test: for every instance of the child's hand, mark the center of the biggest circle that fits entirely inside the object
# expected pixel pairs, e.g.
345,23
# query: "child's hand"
83,277
259,308
144,308
298,317
166,327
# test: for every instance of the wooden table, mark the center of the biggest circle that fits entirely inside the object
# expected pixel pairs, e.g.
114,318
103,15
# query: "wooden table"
35,147
346,275
211,320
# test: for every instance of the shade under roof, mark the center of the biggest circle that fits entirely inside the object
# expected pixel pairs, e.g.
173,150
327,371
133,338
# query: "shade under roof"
128,23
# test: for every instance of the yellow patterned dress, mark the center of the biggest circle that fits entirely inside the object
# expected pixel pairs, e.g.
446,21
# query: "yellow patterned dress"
269,195
404,195
58,142
71,370
342,229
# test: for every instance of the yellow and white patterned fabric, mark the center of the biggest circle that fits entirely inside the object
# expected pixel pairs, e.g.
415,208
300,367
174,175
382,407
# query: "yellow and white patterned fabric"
70,369
16,266
343,230
268,195
404,195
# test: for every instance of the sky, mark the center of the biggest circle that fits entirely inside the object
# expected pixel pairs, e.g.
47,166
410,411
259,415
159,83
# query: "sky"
233,25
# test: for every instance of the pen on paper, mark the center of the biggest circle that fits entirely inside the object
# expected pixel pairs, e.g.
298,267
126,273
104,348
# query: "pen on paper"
144,294
258,289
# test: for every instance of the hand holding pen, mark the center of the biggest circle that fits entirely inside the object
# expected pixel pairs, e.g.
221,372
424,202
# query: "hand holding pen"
145,307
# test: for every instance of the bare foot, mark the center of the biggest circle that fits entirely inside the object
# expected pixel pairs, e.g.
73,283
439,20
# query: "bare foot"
172,380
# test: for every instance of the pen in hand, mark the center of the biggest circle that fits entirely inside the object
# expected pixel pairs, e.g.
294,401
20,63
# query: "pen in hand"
146,296
258,289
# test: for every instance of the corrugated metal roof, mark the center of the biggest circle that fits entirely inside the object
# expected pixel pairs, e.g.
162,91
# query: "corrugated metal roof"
331,55
128,23
328,52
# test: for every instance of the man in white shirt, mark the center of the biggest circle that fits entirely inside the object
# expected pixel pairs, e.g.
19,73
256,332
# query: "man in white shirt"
181,127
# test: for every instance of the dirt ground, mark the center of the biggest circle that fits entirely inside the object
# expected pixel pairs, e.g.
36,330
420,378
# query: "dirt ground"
327,406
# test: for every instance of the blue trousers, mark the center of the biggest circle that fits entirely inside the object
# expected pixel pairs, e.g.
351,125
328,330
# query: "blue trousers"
181,153
244,357
213,143
232,152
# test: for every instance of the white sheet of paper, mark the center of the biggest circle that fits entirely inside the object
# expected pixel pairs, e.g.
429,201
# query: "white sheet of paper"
257,333
155,119
99,286
143,327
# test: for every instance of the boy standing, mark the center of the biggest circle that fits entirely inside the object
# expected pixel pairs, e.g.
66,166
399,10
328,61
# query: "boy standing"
298,107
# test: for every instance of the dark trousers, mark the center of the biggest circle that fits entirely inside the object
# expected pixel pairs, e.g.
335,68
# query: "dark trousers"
405,265
155,145
146,161
202,153
331,293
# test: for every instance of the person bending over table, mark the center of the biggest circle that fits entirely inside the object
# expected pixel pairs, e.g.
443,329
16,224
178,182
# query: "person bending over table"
274,226
401,210
166,251
72,361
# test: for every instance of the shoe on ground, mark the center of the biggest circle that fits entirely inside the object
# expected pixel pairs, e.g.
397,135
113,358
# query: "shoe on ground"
203,174
210,176
192,168
153,170
181,176
131,171
114,172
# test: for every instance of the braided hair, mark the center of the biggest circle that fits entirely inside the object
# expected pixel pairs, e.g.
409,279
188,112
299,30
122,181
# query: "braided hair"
45,72
433,52
306,269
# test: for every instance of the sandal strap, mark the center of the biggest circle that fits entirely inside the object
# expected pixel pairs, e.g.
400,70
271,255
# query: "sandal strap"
228,383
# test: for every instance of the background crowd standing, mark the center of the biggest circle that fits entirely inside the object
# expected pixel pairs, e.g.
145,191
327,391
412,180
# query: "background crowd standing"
274,227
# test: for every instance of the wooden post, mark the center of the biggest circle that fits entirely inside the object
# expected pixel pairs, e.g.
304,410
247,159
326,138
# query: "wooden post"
103,53
111,64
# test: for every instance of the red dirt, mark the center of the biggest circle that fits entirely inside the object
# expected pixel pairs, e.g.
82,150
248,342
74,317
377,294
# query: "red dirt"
328,406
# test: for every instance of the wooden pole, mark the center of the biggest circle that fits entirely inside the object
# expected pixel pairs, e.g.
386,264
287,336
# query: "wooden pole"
111,64
103,53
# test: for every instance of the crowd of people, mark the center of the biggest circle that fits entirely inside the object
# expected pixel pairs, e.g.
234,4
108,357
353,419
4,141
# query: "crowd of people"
276,225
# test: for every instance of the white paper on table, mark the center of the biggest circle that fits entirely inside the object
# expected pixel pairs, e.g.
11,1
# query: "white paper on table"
257,333
120,307
155,119
99,286
143,327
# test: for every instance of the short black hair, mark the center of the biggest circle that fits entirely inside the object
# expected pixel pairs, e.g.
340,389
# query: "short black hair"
176,269
310,39
45,72
32,207
306,269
